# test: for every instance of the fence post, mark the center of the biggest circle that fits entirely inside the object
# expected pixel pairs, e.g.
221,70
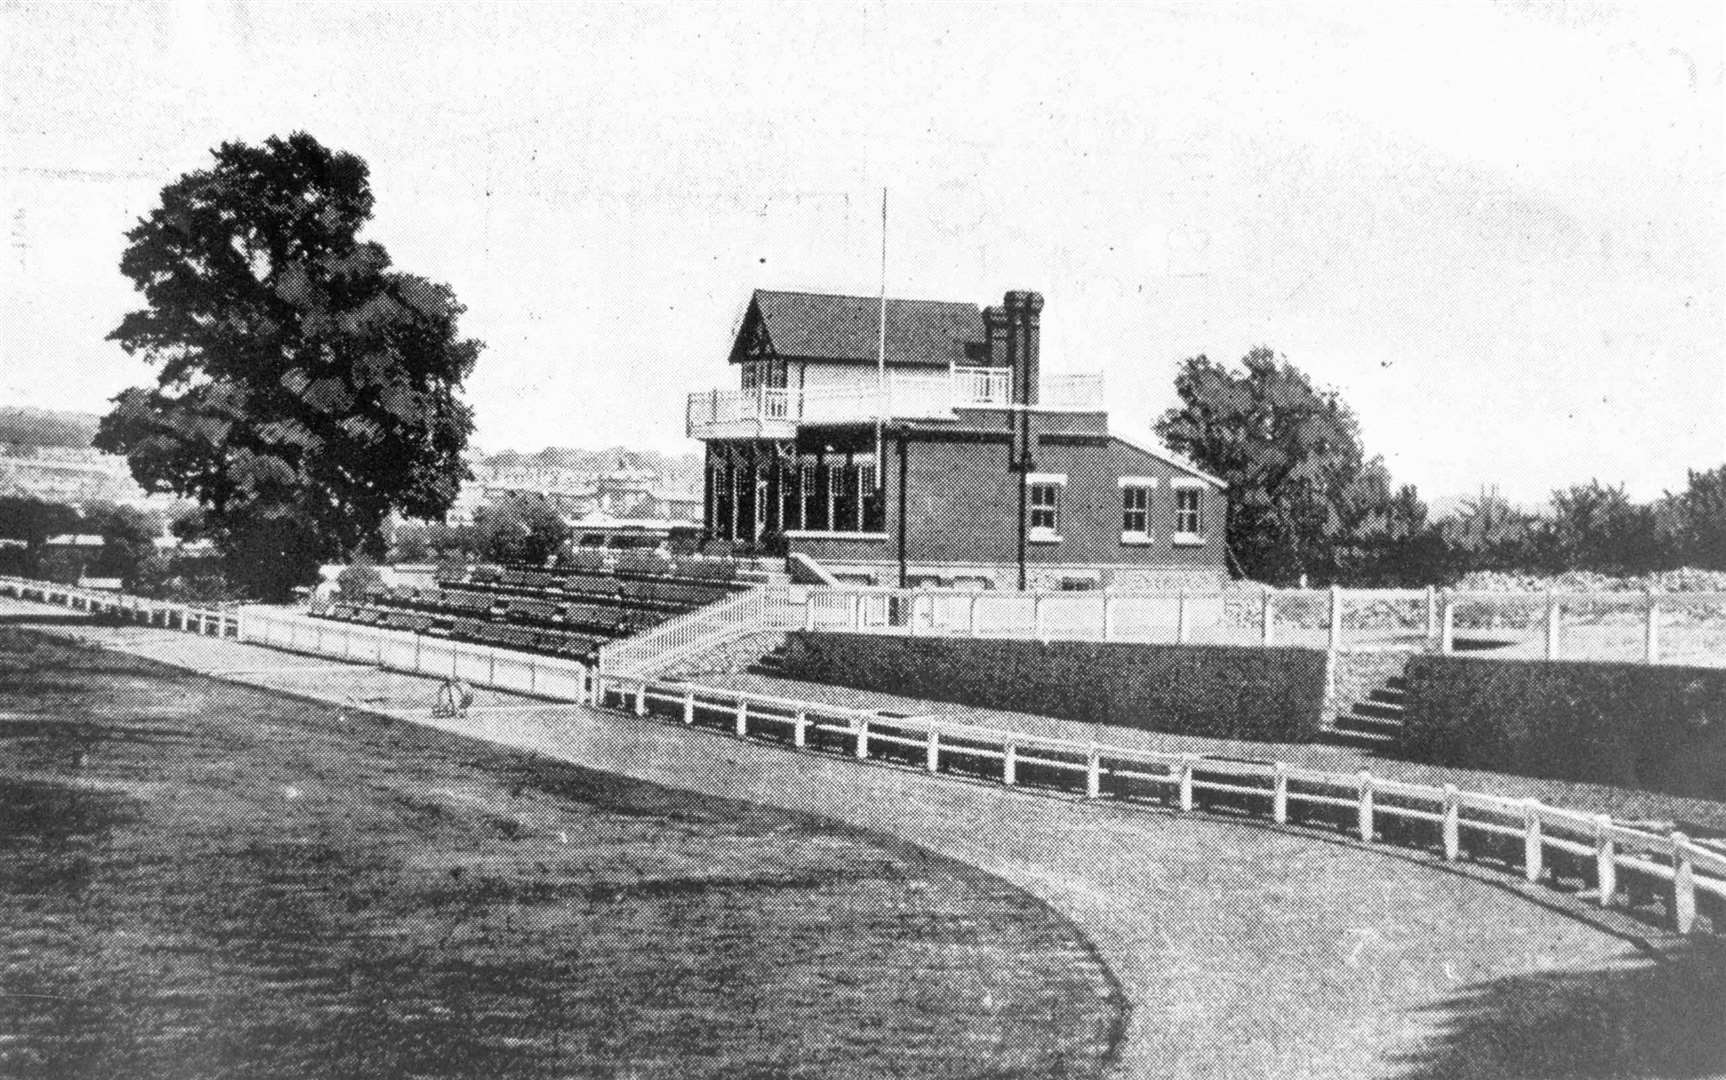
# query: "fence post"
1683,885
1280,795
862,739
1094,773
1108,616
809,610
1182,630
1335,618
1037,616
742,717
1651,650
933,760
971,617
800,729
1187,780
689,705
856,611
1366,824
1268,617
1605,860
1447,624
1554,617
1533,850
1009,763
1452,824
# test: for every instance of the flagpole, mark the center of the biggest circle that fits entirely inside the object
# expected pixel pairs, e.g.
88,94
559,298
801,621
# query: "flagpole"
881,358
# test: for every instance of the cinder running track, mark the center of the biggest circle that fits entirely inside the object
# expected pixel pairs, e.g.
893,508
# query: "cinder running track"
1244,950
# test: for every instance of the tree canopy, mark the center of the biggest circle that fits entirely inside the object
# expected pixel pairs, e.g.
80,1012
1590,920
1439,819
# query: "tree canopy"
520,528
305,390
1291,455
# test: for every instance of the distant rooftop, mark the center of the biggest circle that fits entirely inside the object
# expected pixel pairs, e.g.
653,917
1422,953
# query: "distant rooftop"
822,326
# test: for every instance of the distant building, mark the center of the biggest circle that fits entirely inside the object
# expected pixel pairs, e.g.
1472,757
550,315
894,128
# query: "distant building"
965,466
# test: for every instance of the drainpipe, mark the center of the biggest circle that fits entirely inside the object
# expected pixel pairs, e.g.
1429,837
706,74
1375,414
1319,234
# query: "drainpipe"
902,474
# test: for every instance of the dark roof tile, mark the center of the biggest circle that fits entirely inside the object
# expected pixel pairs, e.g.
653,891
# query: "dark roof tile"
818,326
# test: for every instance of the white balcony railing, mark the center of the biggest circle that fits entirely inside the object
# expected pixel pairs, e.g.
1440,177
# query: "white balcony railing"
904,396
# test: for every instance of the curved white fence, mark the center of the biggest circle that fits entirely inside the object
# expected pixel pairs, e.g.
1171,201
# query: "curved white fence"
1615,858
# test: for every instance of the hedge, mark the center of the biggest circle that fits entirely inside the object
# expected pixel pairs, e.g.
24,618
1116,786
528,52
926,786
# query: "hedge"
1654,727
1213,690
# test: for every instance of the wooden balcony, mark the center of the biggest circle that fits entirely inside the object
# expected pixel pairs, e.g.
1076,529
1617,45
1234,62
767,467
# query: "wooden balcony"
776,414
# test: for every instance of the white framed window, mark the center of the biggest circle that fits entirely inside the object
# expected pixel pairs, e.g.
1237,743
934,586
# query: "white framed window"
1043,499
1136,510
1189,515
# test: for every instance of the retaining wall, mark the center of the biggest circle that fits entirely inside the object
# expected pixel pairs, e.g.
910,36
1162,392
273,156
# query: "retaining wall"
1220,691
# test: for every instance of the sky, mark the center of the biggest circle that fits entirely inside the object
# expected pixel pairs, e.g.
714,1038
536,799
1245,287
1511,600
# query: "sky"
1494,228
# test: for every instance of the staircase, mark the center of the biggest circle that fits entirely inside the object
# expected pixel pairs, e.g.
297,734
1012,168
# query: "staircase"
772,663
1375,722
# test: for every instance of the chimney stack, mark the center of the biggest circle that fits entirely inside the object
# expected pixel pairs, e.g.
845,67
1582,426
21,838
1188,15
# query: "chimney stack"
1022,310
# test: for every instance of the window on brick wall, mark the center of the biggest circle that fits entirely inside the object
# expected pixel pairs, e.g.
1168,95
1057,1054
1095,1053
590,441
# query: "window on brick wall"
1135,512
1188,521
1044,500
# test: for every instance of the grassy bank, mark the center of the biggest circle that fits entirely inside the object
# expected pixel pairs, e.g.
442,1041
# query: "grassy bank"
201,880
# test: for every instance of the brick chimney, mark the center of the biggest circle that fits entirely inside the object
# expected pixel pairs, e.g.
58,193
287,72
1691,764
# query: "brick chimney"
1023,318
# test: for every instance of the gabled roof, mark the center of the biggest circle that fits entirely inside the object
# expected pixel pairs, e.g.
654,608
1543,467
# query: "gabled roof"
820,326
1169,457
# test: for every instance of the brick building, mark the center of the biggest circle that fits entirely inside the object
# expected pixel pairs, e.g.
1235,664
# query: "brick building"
964,465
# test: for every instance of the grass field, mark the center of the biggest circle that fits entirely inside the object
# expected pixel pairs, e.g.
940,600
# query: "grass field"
199,880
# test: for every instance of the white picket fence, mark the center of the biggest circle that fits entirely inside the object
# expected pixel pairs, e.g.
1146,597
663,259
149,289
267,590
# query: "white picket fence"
213,622
1687,628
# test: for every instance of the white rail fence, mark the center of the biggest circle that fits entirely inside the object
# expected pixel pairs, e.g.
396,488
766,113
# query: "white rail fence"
419,654
1681,628
766,607
212,622
1631,862
1620,861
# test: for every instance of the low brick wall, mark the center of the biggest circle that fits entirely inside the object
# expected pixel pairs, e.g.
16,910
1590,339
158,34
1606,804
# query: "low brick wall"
1654,727
1214,690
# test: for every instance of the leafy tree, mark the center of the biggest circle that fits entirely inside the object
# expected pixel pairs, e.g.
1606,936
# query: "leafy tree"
33,521
1290,453
1488,533
520,528
1598,528
128,539
1692,523
305,390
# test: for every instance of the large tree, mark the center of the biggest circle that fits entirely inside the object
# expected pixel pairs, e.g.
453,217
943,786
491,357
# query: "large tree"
1290,453
305,390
